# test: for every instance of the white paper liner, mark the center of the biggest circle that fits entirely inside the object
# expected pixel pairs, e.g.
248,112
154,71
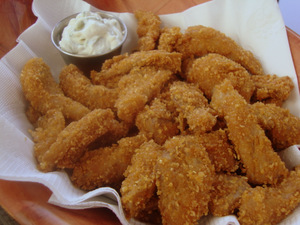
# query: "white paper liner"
255,25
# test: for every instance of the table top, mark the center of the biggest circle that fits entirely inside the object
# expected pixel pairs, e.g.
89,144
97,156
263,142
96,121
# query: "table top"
27,202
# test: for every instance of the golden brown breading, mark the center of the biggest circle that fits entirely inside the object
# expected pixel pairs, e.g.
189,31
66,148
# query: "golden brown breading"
226,194
220,151
157,122
78,87
200,40
46,132
137,89
139,185
151,213
270,205
72,141
110,75
184,180
43,93
271,88
106,166
148,29
282,127
192,107
261,162
33,115
168,38
212,69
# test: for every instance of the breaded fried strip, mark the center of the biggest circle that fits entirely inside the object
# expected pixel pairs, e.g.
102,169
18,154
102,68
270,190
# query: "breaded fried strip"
78,87
192,106
184,180
283,127
220,152
148,29
156,122
226,194
212,69
139,185
262,164
270,205
106,166
271,88
43,93
109,76
168,38
137,88
200,40
33,115
72,141
48,128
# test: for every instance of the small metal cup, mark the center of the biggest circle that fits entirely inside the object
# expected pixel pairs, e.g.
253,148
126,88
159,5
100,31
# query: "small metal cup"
86,63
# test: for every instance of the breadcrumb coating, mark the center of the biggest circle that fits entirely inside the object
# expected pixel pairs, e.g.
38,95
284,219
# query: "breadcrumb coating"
262,164
43,93
78,87
184,180
200,40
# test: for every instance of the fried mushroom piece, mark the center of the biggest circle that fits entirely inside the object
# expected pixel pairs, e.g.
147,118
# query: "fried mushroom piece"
43,93
139,186
212,69
271,88
184,180
270,205
283,128
106,166
118,66
78,87
227,193
200,40
253,148
148,29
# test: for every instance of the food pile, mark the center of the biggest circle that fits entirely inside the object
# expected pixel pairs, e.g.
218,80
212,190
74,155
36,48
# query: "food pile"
185,126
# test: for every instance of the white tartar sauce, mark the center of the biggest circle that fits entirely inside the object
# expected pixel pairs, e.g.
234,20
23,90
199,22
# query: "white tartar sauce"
90,34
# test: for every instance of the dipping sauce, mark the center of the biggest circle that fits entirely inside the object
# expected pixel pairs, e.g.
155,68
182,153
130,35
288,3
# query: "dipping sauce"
90,34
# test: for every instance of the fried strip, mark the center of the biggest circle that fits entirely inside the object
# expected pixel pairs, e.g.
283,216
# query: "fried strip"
192,107
78,87
262,164
43,93
169,36
48,128
72,141
106,166
270,205
137,88
184,180
271,88
201,40
220,152
156,122
139,186
148,29
212,69
110,76
226,194
282,127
